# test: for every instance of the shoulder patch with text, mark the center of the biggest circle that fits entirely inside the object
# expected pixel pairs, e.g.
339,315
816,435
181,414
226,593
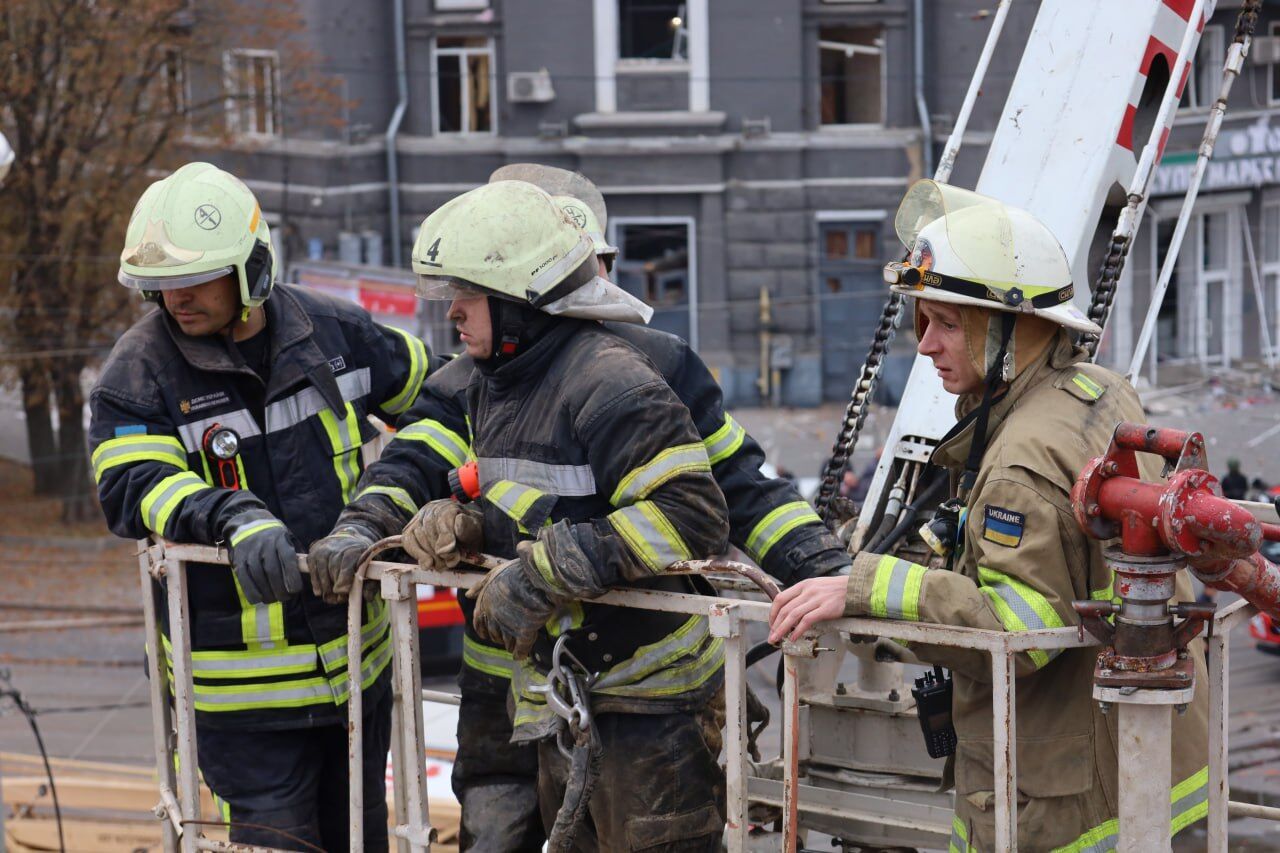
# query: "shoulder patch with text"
1003,526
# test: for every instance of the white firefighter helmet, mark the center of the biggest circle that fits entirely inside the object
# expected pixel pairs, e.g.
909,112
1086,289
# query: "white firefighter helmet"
580,198
511,240
970,249
198,224
6,157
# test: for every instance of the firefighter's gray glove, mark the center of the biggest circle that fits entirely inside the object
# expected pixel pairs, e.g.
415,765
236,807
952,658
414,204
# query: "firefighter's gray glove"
333,560
512,605
441,531
264,557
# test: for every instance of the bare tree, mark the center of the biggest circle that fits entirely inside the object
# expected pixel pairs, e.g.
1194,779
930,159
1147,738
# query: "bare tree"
100,98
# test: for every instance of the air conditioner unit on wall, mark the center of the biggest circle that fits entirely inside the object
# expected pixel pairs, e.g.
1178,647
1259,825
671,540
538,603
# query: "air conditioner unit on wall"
530,87
1265,50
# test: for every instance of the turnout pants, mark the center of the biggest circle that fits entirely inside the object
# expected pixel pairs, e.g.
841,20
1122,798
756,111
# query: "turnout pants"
277,788
660,786
495,780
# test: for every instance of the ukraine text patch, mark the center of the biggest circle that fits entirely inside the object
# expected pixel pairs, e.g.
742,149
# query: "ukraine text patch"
1003,526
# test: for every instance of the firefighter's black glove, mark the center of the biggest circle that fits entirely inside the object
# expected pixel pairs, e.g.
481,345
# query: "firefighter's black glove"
264,557
511,605
332,562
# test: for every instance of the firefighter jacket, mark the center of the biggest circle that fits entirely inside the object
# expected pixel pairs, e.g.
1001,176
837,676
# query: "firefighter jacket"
1024,560
767,517
277,665
581,444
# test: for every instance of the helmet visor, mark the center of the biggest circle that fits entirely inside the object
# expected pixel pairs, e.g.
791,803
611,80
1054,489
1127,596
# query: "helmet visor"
444,288
173,282
976,230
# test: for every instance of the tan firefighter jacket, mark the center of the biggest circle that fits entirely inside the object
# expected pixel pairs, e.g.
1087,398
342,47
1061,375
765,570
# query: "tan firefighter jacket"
1023,561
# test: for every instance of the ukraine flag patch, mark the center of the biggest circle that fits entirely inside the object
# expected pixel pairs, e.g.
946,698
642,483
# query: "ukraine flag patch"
1003,526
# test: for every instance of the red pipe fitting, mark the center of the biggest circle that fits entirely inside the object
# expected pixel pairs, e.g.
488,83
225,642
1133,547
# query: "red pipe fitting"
1187,515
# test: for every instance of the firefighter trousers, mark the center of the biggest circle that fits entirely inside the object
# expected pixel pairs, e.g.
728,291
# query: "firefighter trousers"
660,786
495,780
272,785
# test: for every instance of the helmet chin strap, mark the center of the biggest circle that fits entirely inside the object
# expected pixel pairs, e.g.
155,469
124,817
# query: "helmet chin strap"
995,375
515,328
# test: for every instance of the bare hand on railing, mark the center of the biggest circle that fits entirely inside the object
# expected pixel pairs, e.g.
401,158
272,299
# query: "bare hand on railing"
804,605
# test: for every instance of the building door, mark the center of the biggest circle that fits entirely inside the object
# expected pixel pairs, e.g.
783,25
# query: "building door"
1218,298
851,294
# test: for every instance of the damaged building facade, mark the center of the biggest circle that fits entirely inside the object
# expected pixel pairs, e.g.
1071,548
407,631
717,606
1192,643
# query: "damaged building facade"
752,156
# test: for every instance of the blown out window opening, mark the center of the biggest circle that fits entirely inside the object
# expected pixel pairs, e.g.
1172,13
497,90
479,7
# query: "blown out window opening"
464,81
253,85
851,75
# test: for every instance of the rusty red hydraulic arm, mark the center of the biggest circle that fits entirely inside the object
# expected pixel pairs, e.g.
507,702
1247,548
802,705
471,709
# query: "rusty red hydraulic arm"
1160,525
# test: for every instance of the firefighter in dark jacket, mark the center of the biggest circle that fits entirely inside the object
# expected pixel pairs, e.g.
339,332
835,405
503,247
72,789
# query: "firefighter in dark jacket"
494,780
227,418
593,476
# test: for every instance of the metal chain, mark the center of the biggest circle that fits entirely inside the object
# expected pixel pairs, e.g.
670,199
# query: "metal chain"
855,415
1104,292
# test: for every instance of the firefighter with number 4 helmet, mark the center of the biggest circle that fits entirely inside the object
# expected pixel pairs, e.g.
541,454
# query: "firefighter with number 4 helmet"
234,415
992,291
494,780
593,476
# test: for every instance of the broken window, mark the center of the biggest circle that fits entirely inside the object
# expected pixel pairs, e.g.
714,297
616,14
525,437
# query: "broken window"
851,76
253,81
464,84
652,29
173,81
653,264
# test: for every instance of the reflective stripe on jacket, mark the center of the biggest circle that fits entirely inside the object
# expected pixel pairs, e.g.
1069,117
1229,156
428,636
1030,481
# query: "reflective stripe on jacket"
275,665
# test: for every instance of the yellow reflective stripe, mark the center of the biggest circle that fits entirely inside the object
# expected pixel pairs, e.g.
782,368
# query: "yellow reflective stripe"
256,697
959,837
567,617
490,660
895,589
261,625
249,663
128,449
344,436
514,499
444,441
1020,608
1088,386
542,562
649,535
1189,800
163,499
395,494
777,524
640,482
372,665
725,441
334,652
245,531
417,372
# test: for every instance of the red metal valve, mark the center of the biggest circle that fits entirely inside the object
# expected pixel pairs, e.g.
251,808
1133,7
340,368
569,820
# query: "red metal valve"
1186,515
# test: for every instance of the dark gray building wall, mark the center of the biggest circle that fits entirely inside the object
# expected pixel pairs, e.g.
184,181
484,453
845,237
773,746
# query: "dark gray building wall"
556,35
755,200
756,62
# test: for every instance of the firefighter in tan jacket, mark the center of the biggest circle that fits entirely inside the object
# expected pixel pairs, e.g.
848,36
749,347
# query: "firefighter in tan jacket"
992,292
